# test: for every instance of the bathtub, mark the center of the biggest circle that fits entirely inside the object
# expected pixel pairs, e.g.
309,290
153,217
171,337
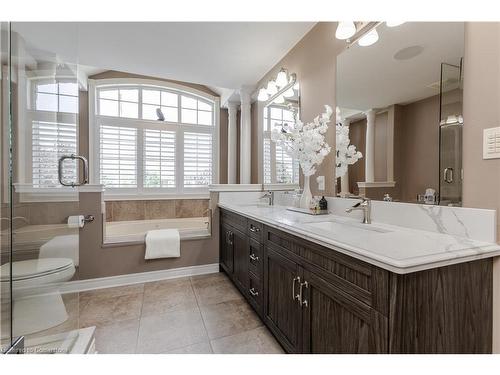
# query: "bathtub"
135,231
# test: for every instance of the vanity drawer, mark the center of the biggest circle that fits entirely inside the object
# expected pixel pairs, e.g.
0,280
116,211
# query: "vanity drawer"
234,220
255,294
363,281
255,264
255,230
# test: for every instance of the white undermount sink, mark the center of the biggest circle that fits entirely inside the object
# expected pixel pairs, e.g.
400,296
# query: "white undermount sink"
338,226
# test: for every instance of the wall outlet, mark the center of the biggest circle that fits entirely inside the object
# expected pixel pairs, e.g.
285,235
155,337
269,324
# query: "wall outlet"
321,182
491,143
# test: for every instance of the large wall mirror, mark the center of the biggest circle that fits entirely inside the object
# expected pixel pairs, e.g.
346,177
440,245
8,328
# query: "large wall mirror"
401,98
277,112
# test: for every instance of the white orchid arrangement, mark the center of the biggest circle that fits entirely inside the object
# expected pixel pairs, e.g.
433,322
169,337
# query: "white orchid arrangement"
346,153
305,142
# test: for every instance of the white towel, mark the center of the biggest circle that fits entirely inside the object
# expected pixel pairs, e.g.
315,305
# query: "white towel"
61,247
163,243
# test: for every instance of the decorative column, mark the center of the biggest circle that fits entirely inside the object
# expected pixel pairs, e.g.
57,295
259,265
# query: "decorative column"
245,137
344,180
232,140
370,146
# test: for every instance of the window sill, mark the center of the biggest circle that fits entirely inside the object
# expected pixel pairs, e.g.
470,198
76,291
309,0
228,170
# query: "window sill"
146,197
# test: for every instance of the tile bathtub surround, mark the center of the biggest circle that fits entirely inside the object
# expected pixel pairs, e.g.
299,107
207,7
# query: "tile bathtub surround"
155,209
192,315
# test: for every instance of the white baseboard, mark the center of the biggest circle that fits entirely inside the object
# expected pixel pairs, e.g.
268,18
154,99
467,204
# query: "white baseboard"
137,278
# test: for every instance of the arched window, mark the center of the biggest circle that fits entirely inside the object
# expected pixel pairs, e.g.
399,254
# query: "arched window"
151,137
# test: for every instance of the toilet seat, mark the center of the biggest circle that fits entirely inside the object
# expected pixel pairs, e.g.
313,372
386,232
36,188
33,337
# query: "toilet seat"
35,268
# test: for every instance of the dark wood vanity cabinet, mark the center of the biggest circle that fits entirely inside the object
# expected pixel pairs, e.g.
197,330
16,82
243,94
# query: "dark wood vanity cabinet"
318,300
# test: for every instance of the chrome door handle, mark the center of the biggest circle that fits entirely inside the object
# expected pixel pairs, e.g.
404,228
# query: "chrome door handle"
253,292
254,257
231,237
295,297
303,302
85,170
448,172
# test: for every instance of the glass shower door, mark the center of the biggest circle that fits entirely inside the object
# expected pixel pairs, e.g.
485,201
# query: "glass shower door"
450,136
6,339
45,131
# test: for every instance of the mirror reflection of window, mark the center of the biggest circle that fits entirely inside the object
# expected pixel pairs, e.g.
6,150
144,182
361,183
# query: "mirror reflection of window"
279,167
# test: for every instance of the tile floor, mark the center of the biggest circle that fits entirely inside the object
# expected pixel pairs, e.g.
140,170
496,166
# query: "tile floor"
202,314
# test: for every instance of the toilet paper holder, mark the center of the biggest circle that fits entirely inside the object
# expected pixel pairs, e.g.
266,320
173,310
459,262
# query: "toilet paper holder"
88,219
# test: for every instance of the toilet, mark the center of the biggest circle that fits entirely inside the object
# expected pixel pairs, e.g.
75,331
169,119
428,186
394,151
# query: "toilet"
37,302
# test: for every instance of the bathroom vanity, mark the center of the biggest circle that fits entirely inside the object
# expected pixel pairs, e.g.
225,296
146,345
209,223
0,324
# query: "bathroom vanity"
319,296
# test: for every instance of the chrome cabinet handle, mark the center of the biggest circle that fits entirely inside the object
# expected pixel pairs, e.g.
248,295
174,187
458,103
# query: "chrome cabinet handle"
229,237
254,229
294,296
303,302
253,292
85,170
448,172
254,257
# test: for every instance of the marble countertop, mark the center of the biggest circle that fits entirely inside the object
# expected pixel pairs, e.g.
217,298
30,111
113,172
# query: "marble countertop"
394,248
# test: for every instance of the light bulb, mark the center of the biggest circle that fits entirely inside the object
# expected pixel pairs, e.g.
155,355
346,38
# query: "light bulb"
281,79
289,93
271,88
393,23
345,30
279,99
369,38
262,95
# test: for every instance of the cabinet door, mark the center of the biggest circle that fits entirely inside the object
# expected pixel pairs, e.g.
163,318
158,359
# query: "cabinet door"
240,250
226,249
282,312
334,322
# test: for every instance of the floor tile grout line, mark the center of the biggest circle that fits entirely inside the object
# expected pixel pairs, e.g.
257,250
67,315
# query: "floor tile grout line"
199,310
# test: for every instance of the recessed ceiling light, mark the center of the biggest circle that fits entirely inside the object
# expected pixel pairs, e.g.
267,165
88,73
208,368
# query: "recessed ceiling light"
408,53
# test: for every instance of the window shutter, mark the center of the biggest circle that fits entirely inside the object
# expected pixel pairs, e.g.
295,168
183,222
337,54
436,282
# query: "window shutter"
285,167
50,141
197,159
118,153
267,161
159,158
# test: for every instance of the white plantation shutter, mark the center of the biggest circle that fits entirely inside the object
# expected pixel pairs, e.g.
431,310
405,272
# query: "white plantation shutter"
267,161
118,156
159,158
197,159
286,167
50,141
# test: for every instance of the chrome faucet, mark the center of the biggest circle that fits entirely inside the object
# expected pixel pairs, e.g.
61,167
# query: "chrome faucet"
366,206
269,195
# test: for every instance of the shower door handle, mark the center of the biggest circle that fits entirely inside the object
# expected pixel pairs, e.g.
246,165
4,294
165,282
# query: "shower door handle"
85,163
448,175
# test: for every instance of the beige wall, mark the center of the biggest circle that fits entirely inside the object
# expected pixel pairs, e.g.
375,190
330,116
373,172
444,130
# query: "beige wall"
481,187
313,59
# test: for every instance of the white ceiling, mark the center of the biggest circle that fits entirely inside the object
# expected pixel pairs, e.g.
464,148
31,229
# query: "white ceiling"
216,54
369,77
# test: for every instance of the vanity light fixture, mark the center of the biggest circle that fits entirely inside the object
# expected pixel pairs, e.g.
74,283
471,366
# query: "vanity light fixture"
281,78
276,90
345,30
263,95
289,93
271,89
279,99
369,38
393,23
